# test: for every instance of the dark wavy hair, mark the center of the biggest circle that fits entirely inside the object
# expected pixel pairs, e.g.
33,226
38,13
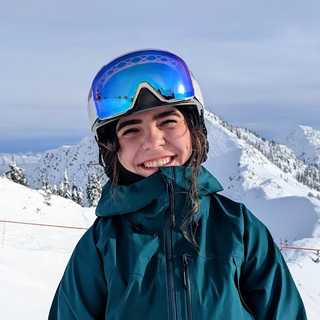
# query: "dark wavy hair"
108,159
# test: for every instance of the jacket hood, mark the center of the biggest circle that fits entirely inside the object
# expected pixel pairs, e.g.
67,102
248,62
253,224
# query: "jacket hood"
126,199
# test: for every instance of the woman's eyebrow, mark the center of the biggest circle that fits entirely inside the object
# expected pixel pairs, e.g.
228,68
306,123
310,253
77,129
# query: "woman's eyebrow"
166,114
128,123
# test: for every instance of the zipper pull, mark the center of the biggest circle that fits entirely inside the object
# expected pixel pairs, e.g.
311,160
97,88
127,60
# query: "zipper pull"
184,271
172,213
173,220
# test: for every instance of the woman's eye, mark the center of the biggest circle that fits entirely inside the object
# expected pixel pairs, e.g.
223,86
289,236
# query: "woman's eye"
168,121
128,131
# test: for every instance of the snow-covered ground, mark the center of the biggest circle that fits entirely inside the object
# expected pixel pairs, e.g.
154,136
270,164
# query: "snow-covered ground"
32,258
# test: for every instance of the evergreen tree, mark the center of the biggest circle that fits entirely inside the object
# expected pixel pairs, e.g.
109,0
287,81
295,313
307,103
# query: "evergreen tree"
94,189
47,185
74,190
60,189
88,190
47,191
66,186
55,190
15,174
80,197
76,193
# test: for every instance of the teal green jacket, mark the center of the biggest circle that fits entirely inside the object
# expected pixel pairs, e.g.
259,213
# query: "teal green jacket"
134,262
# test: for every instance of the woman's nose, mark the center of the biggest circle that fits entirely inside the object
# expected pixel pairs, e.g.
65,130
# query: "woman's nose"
154,138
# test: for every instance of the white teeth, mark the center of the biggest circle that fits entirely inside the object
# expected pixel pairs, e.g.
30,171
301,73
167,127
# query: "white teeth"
159,163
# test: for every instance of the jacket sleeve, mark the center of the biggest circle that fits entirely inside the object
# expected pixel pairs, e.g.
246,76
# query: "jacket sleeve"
82,292
266,284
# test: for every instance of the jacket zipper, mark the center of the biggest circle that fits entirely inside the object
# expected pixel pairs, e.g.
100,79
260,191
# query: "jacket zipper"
187,285
169,224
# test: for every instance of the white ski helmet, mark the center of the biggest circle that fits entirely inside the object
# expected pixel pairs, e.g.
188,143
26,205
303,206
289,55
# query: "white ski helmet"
141,80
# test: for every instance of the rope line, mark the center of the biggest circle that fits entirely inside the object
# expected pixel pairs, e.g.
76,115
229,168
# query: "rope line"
297,248
82,228
43,225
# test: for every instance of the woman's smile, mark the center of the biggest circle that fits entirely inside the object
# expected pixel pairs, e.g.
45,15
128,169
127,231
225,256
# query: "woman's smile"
158,163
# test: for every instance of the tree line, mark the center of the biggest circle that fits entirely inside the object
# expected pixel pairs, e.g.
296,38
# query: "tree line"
64,189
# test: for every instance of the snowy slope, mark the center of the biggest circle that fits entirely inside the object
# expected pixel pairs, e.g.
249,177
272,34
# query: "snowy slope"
33,258
275,197
305,267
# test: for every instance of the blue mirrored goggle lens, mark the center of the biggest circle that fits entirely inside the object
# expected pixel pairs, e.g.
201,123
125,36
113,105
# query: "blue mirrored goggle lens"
116,84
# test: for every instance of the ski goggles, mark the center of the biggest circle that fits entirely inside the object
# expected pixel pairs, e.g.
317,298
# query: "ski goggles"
116,86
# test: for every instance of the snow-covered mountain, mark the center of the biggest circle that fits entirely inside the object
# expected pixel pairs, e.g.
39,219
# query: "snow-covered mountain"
262,174
79,161
305,143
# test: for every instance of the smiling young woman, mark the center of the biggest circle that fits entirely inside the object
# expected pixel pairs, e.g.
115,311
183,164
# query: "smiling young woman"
166,244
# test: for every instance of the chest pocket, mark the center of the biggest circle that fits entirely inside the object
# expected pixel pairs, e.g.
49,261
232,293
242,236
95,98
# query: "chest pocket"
212,290
133,266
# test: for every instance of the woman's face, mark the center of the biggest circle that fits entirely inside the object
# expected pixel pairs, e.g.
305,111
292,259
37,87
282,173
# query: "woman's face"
152,139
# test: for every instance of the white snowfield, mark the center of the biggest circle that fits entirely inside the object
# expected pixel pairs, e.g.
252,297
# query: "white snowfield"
33,255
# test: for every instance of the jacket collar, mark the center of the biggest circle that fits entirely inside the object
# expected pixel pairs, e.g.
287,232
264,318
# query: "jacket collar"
126,199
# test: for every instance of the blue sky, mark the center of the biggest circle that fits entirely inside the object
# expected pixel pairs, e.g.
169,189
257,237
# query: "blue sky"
258,63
